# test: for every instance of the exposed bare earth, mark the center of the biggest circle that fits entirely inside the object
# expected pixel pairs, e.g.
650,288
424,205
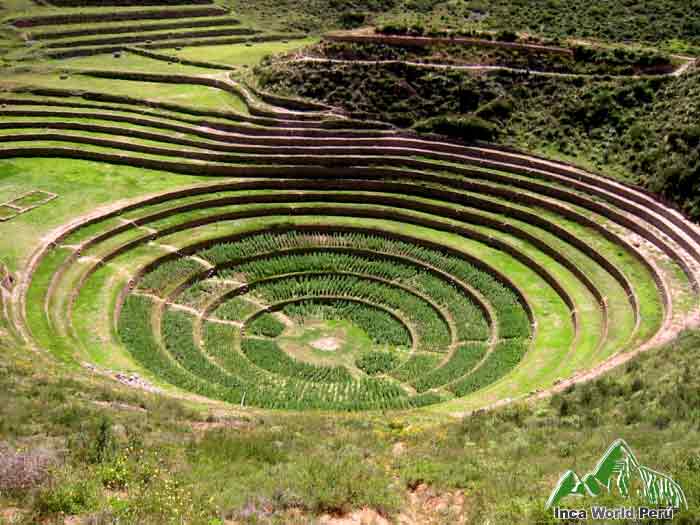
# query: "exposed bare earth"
327,344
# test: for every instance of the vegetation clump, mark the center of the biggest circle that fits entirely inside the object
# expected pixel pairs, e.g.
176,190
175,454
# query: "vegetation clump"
468,128
377,362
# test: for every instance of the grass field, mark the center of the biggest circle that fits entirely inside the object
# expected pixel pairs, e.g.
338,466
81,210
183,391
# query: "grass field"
242,55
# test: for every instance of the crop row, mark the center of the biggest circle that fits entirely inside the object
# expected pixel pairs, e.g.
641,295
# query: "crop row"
512,318
511,315
374,362
468,318
278,391
235,309
136,333
321,262
251,385
416,365
267,355
178,337
265,325
433,331
498,363
202,292
169,273
381,327
463,360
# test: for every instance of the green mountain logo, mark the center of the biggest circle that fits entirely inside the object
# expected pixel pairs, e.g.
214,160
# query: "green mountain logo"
618,471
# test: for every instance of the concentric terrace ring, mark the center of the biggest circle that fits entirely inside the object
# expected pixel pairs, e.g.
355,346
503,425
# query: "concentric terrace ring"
473,274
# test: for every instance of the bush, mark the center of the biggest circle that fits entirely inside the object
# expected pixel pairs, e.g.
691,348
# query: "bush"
499,108
69,493
338,481
352,19
395,28
469,129
506,36
96,443
267,325
23,470
221,446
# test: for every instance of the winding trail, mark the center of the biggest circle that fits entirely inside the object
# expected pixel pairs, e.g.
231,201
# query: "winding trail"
684,68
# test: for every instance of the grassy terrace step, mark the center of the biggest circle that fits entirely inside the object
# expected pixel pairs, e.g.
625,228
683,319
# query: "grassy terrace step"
134,59
124,3
141,35
183,63
207,99
216,120
221,83
160,119
224,82
464,359
169,43
58,16
115,28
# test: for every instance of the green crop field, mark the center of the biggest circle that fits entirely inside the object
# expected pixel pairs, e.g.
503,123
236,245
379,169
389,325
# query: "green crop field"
398,261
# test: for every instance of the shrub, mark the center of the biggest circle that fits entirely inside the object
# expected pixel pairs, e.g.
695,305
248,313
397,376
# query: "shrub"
352,19
69,493
468,128
341,480
23,470
499,108
506,36
395,28
219,446
267,325
95,443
